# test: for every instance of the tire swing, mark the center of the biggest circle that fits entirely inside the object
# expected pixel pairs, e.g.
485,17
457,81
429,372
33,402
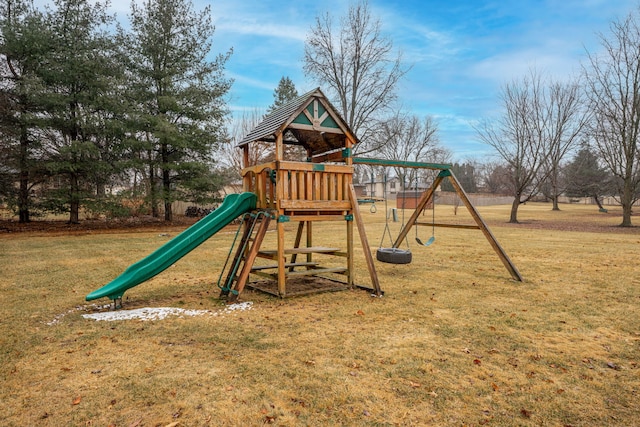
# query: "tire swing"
392,255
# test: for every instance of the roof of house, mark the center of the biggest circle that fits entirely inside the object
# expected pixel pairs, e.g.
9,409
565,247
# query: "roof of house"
308,120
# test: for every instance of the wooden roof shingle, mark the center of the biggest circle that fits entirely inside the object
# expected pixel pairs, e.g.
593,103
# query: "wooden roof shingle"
313,137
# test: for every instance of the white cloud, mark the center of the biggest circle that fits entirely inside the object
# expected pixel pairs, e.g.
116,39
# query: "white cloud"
249,28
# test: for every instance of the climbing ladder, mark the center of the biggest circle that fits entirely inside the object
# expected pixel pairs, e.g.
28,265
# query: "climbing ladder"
255,228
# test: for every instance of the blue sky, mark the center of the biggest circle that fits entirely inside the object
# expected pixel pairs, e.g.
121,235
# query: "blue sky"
460,51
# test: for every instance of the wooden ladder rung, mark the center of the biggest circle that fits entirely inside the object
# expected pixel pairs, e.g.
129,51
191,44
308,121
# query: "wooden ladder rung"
302,250
287,265
315,271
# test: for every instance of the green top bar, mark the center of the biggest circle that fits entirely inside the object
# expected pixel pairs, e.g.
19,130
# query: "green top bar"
400,163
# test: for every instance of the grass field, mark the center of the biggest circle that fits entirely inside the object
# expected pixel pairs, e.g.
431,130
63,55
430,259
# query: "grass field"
453,342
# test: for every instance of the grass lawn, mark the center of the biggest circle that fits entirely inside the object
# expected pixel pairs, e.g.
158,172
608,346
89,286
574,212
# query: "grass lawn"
453,342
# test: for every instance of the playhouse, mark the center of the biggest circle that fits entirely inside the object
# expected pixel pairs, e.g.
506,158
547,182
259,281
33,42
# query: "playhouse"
318,188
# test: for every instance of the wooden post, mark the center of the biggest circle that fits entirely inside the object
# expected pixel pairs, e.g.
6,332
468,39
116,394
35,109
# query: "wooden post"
280,196
350,267
282,291
363,239
296,244
246,181
309,241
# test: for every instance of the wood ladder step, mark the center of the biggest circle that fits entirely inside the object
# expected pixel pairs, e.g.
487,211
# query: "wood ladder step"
287,265
315,271
302,250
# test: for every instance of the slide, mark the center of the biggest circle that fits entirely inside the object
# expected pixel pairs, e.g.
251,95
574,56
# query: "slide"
164,257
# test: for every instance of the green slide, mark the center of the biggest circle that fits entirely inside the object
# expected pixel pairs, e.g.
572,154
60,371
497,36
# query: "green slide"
164,257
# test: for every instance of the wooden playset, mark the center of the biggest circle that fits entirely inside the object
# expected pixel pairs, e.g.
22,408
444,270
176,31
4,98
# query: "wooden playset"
319,188
307,186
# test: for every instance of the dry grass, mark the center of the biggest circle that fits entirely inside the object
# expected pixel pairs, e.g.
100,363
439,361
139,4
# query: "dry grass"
454,341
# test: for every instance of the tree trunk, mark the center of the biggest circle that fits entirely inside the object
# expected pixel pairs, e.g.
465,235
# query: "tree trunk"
597,200
74,203
23,195
166,184
555,198
626,202
153,191
168,211
513,219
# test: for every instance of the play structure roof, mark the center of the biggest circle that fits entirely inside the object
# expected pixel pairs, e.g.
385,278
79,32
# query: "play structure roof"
308,120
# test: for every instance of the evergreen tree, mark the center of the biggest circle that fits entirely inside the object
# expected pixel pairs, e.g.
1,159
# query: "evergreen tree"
179,94
586,177
77,75
465,173
23,42
285,92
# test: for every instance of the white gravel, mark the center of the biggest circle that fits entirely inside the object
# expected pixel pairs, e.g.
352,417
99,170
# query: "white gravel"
159,313
147,313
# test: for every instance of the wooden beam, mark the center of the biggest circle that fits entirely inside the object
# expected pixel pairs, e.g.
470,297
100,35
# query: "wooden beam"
304,216
401,163
350,260
288,265
437,224
297,243
280,258
303,250
363,239
315,271
315,205
315,129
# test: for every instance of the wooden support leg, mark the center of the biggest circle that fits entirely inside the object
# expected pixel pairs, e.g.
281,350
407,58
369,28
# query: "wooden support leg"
363,239
281,261
309,241
294,256
350,271
483,226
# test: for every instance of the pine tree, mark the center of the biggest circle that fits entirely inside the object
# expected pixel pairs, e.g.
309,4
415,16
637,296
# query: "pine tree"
285,92
77,76
179,94
586,177
23,42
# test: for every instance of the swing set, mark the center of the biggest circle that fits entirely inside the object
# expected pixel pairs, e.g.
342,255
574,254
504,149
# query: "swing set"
396,255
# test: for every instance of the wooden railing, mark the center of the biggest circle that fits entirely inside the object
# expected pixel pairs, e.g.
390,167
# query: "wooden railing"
299,185
260,179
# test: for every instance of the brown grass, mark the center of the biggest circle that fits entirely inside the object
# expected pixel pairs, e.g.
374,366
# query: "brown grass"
454,341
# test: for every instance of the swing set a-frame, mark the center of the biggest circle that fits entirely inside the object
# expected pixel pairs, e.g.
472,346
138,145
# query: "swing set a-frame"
445,172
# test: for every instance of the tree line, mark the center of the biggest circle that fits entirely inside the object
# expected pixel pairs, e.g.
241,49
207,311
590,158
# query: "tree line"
88,107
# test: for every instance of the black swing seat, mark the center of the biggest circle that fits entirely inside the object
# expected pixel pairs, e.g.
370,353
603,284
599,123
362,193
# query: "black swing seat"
393,255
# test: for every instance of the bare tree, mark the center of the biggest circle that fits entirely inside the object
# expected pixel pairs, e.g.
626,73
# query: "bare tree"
358,64
613,83
519,137
229,152
496,177
408,138
543,121
565,122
